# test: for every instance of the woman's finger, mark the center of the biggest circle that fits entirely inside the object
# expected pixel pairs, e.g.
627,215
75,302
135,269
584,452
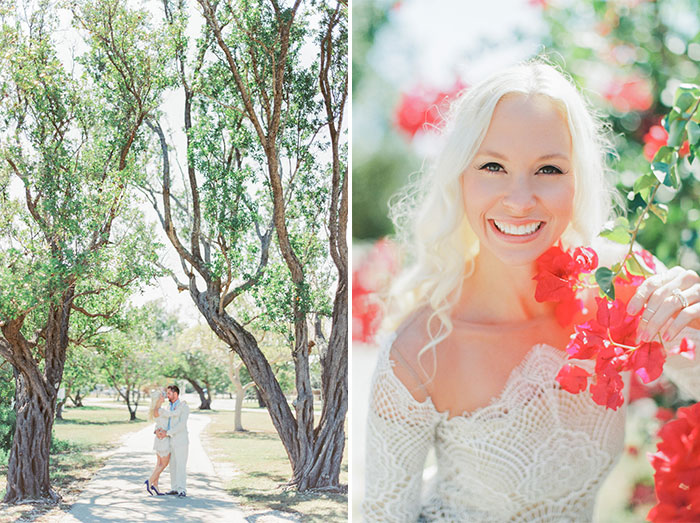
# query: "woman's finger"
687,315
644,291
661,306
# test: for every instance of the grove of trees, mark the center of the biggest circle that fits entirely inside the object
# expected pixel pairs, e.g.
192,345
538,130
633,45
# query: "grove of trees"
256,214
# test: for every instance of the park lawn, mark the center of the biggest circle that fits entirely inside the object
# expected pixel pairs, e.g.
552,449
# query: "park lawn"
260,468
79,450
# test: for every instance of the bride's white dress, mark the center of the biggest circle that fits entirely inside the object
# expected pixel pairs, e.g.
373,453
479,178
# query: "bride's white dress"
536,453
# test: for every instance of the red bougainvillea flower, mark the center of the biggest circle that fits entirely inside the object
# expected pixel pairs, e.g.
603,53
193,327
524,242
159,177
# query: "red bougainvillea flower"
677,468
573,378
424,108
663,414
630,94
371,276
558,279
655,138
610,338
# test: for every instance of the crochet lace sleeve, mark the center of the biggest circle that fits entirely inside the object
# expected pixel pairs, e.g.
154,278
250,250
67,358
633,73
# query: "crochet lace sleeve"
400,431
684,372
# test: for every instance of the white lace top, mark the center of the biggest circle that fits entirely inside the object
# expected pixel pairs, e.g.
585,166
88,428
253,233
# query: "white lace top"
535,453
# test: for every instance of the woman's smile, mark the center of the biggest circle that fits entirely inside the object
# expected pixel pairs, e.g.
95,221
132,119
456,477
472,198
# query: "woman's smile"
517,231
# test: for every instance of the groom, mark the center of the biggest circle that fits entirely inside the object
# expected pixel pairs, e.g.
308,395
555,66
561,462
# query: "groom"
179,442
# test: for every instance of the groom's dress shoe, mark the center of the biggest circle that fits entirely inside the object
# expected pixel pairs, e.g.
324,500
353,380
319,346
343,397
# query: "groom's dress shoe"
172,493
182,495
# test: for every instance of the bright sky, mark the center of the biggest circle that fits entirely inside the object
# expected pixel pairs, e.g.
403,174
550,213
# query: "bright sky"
432,42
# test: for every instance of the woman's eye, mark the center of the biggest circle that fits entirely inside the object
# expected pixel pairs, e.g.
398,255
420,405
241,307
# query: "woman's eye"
550,169
491,167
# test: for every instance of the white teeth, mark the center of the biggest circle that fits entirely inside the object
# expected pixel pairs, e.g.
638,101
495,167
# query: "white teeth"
518,230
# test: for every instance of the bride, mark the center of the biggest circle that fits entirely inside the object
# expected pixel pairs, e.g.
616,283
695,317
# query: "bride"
470,371
160,445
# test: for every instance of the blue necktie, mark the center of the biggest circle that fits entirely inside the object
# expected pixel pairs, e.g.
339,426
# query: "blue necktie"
172,407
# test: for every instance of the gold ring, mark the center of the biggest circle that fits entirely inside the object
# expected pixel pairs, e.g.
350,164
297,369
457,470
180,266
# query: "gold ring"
678,294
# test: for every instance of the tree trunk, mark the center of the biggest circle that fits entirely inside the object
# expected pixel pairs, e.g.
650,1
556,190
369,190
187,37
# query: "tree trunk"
261,403
77,399
61,404
35,403
234,374
245,345
28,467
329,436
127,399
204,402
59,408
239,410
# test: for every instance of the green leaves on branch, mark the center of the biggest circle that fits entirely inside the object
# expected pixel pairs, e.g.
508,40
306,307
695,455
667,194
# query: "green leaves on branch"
619,232
683,131
604,278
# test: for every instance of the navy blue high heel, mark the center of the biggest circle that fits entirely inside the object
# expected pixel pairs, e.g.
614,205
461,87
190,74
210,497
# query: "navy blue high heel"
148,487
153,487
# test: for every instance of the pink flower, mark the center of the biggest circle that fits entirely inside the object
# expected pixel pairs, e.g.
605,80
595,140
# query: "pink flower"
422,108
630,94
655,138
371,277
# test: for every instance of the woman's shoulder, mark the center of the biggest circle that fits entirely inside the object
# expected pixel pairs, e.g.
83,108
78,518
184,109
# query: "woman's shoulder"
405,353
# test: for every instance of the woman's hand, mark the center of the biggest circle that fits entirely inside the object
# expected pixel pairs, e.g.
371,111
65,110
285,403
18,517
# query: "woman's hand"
672,303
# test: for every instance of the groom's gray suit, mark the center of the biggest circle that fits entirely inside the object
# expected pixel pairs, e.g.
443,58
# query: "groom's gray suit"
179,445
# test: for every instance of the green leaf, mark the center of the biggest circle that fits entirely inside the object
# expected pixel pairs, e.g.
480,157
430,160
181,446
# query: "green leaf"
604,278
619,232
689,88
671,117
676,133
693,133
634,267
662,171
660,210
664,154
684,100
645,194
643,182
675,178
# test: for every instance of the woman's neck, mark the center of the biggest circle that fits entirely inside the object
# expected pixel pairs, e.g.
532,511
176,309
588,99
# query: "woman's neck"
499,293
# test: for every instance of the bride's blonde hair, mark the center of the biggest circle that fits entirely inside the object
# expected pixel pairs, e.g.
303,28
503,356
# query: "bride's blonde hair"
429,214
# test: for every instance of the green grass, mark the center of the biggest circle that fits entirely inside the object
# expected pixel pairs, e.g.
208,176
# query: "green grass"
76,454
262,469
96,426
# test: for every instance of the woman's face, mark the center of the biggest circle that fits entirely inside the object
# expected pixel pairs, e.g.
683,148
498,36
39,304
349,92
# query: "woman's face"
519,189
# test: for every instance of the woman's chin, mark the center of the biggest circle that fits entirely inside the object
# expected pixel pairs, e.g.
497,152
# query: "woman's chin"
518,257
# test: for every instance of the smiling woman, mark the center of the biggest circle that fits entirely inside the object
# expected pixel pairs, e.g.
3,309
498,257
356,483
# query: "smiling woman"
471,370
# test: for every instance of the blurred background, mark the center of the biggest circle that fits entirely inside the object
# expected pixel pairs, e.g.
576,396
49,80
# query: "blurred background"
409,60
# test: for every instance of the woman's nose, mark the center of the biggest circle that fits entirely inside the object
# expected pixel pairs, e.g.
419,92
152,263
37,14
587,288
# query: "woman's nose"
519,197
